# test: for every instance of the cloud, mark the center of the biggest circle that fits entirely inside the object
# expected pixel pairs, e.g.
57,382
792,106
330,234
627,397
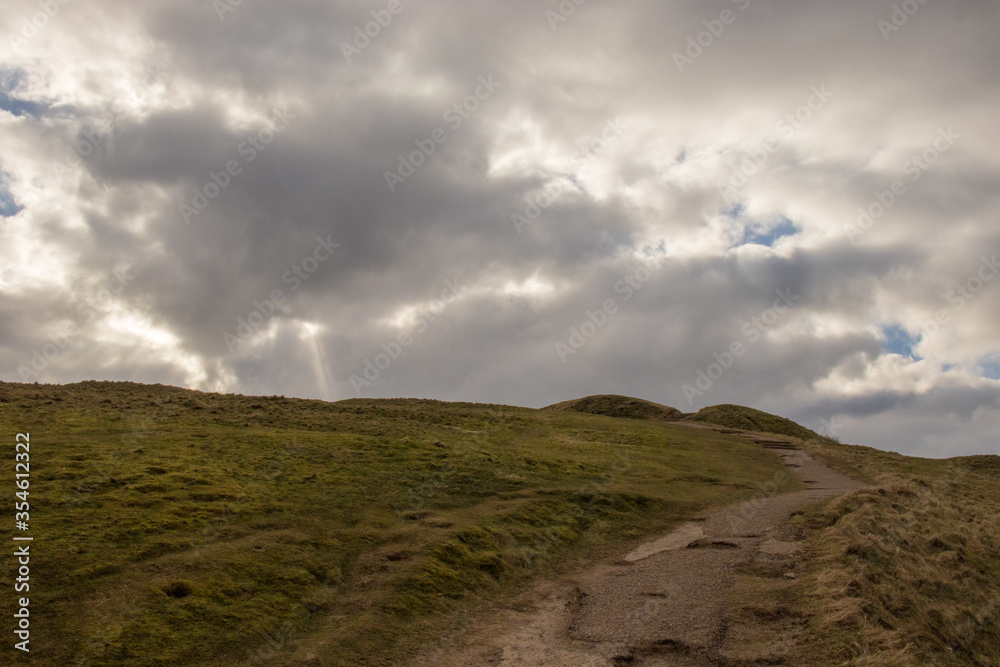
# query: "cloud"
800,152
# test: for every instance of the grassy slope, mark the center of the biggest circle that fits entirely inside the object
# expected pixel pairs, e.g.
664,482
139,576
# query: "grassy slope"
748,419
906,572
176,527
620,406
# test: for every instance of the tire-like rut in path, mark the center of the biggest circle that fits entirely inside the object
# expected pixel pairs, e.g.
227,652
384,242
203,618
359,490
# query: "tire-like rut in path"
703,595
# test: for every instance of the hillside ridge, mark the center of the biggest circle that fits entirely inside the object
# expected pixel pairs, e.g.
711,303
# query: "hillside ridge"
725,415
130,394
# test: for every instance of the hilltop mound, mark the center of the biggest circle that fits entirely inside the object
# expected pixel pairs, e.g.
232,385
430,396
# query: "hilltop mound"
620,406
748,419
729,416
987,464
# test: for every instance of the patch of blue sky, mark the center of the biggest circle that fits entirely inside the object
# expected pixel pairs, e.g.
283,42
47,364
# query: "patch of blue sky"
758,232
899,341
8,206
990,367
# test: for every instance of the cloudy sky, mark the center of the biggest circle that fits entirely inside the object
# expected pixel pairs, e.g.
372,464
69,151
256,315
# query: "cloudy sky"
786,204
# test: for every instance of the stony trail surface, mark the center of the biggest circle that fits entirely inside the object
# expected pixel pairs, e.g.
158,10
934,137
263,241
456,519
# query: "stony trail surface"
703,595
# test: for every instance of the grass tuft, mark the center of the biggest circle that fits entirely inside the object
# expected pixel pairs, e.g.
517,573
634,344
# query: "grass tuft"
904,572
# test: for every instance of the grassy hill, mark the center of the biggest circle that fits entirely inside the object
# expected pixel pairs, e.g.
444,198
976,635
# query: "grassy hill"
619,406
180,527
748,419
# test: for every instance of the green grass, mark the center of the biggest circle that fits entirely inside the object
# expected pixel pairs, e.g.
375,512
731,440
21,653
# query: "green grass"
727,416
179,527
620,406
748,419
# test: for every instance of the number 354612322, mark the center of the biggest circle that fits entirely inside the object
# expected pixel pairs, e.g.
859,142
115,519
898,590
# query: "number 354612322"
22,472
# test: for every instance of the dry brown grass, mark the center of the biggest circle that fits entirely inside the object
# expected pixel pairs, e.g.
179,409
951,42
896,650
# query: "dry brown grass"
906,572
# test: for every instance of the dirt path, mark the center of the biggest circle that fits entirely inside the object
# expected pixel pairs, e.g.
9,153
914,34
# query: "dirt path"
707,594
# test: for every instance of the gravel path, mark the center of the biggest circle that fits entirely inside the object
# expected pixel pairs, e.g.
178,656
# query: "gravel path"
704,595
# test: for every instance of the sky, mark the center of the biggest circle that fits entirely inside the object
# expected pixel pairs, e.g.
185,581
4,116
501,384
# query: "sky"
790,205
